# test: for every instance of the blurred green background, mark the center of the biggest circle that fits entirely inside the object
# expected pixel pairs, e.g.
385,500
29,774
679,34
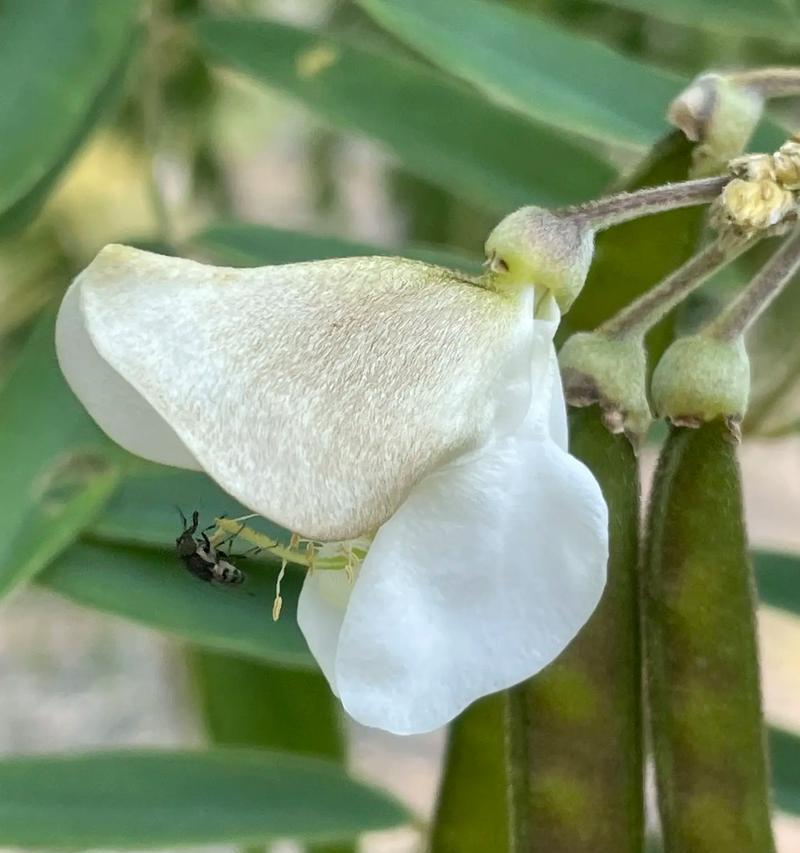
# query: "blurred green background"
247,133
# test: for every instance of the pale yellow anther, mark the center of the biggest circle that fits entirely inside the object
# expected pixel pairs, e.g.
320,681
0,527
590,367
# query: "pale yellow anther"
277,605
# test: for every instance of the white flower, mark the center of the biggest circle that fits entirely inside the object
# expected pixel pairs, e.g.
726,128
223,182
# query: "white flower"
345,397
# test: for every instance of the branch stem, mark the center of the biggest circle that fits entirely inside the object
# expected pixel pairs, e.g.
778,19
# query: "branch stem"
748,306
636,318
622,207
775,82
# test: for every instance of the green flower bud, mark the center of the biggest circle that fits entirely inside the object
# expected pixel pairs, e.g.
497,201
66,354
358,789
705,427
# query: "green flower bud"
700,378
720,115
539,247
610,372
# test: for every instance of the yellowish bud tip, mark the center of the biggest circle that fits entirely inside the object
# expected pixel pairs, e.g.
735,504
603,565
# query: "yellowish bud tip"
534,246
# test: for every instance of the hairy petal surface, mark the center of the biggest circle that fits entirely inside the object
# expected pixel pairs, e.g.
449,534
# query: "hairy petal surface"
315,393
116,406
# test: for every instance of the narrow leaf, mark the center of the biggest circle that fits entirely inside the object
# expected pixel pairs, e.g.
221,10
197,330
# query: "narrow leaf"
66,59
481,152
774,19
245,703
536,67
785,762
144,509
153,588
778,579
58,468
243,244
163,799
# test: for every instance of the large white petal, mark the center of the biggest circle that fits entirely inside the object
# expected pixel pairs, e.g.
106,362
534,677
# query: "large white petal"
117,407
320,614
316,393
557,421
479,580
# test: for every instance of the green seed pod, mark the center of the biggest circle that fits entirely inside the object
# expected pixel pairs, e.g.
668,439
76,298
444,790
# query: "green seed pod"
701,651
575,739
471,810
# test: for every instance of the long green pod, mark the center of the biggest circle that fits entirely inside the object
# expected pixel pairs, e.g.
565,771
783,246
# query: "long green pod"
471,813
574,732
701,651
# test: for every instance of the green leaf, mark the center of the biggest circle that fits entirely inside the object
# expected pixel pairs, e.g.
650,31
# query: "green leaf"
535,67
701,651
778,579
480,152
471,812
67,60
58,468
775,19
153,588
785,761
240,243
169,798
144,509
245,703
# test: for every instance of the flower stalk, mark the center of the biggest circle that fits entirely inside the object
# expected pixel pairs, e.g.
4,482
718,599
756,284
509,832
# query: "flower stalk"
609,366
707,375
748,306
771,82
622,207
641,315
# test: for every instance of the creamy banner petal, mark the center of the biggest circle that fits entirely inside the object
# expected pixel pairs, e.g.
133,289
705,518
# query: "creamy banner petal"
116,406
315,393
479,580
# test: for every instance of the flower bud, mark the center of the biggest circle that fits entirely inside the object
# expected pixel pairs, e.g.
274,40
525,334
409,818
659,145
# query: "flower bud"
535,246
720,115
610,372
700,378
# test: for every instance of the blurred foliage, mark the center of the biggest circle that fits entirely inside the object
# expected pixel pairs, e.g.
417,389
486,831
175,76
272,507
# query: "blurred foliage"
251,132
